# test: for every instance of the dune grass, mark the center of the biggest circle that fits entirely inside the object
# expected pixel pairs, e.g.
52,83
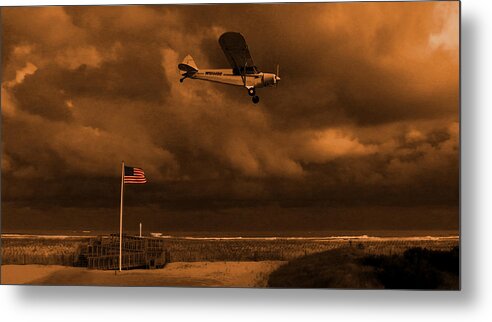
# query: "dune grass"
349,267
338,268
417,268
65,251
45,251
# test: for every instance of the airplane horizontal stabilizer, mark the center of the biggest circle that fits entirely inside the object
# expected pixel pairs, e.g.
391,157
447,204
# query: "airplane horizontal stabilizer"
188,65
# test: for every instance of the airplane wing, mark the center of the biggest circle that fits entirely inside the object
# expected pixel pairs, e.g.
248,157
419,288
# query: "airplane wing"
237,53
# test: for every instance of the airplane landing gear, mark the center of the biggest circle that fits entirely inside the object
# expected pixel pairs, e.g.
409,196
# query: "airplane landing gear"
252,92
182,79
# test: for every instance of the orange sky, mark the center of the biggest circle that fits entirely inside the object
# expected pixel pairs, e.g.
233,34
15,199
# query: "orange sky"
366,116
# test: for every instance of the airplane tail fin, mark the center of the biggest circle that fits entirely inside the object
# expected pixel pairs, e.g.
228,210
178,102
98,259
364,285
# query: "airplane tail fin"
188,65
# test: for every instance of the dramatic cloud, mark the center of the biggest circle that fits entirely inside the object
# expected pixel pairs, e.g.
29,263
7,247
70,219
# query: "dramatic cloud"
366,114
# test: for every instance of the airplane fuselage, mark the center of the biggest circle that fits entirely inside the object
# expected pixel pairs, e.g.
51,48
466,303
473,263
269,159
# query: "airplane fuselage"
226,76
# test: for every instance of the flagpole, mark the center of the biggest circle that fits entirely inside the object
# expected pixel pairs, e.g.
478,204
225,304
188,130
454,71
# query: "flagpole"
121,207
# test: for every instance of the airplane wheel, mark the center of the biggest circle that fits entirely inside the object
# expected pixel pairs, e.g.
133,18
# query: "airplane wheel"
251,91
255,99
181,80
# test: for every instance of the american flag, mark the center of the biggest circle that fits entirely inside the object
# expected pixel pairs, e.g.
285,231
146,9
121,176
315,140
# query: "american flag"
134,175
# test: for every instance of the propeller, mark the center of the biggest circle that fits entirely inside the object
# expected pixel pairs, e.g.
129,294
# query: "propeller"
277,77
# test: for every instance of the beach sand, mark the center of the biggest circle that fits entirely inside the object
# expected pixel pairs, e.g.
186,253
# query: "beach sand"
218,274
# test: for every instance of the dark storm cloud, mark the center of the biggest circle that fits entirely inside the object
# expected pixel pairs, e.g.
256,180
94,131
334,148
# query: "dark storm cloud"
37,95
373,63
125,76
366,112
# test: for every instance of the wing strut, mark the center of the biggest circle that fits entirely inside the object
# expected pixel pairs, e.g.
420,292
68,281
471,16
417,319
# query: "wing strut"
243,73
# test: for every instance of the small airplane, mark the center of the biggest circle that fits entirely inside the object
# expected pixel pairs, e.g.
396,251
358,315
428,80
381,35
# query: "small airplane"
244,73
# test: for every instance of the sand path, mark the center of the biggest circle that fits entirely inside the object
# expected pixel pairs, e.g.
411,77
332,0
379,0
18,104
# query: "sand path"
225,274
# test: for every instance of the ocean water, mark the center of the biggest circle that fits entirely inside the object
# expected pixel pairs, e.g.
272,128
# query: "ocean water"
250,234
